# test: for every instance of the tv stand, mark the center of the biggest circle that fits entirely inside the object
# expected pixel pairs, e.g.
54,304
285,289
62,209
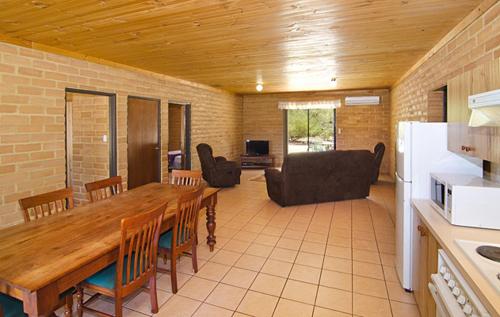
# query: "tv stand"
257,161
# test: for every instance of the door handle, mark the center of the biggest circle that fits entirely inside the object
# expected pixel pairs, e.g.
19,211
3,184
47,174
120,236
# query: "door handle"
156,148
422,230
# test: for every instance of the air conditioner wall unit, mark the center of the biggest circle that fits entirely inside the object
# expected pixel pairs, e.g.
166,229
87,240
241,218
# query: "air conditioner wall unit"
362,101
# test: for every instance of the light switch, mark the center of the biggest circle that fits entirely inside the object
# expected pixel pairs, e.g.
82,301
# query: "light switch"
104,138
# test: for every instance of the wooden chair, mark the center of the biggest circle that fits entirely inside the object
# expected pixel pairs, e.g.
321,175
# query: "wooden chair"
186,178
182,237
104,189
136,264
39,206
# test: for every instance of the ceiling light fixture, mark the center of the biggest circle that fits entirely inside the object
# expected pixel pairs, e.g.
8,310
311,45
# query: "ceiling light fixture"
259,87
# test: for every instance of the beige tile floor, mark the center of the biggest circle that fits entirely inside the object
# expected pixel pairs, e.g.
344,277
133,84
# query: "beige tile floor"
321,260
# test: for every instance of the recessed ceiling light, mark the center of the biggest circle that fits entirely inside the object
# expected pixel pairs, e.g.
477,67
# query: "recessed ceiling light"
259,87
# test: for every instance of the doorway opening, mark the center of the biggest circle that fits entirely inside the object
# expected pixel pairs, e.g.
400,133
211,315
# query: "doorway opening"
143,141
179,136
90,139
310,130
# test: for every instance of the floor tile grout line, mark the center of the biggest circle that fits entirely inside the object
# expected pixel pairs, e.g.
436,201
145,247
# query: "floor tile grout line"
324,257
380,259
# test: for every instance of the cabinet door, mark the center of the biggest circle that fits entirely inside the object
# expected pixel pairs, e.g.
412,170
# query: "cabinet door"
486,140
421,277
482,142
459,89
425,265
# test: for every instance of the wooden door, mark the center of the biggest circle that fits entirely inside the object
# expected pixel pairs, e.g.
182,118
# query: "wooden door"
143,140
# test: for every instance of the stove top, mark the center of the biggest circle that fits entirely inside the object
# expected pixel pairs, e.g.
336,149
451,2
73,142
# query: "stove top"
489,252
486,257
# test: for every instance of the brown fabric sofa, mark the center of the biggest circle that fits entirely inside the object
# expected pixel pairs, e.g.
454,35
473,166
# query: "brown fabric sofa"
307,178
217,171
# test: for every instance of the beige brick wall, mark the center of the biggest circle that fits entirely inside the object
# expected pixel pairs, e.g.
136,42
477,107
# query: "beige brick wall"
88,153
362,126
32,132
476,44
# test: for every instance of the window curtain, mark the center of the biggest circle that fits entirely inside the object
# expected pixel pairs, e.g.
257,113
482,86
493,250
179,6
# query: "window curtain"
305,105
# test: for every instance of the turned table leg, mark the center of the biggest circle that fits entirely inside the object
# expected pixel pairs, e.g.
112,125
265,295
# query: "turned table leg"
211,224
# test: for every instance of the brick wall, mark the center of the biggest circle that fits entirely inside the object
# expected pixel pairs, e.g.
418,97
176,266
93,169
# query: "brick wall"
32,107
361,126
88,155
478,43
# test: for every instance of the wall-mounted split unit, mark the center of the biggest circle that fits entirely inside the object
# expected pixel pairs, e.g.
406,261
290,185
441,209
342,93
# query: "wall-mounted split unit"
362,101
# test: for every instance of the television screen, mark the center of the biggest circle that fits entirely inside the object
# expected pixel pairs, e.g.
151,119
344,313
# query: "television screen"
257,147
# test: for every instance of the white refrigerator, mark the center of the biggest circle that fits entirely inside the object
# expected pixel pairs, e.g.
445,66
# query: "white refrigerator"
421,148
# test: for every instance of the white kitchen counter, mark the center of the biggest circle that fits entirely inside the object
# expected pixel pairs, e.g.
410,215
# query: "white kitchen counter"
446,234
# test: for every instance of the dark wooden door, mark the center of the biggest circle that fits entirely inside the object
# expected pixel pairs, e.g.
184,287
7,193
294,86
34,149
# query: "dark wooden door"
143,141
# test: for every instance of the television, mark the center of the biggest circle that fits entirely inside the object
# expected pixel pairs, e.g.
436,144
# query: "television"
257,147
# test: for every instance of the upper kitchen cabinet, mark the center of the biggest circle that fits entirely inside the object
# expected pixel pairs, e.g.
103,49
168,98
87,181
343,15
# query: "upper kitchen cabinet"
459,89
481,142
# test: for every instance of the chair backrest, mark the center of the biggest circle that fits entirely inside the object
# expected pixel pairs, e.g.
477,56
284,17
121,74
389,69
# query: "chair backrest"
206,156
188,206
379,153
104,189
47,204
138,249
186,178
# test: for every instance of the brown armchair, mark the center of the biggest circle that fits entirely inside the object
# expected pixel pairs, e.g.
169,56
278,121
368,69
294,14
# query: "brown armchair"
378,152
217,171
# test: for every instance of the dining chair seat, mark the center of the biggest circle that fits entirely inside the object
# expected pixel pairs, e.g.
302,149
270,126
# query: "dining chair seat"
165,241
106,277
11,307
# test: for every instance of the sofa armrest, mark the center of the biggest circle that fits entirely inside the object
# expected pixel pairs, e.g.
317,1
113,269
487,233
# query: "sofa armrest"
226,165
220,159
274,184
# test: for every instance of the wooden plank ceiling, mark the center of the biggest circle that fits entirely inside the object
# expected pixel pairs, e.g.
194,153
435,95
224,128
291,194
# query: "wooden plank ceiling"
288,45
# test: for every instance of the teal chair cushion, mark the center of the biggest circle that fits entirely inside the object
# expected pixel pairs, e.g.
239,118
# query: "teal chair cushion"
106,277
11,307
165,241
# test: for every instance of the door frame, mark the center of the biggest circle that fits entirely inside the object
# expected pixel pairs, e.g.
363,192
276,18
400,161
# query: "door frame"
187,130
285,129
112,126
158,109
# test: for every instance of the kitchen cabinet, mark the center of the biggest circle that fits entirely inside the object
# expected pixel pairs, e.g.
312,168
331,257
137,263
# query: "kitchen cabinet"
481,142
425,264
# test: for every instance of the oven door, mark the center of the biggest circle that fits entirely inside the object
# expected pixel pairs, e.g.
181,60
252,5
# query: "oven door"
446,304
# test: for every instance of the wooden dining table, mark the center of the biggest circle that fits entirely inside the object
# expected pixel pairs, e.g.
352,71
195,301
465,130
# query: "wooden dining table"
41,259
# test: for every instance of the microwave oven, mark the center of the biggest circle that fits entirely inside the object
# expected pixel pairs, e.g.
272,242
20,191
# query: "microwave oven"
466,200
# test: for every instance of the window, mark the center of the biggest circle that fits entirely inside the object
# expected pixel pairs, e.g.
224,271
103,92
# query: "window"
310,130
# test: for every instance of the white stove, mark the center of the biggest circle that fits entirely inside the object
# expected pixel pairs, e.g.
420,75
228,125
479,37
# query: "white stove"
489,268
